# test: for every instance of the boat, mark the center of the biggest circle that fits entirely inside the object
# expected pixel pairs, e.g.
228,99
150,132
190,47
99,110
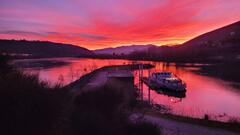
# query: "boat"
171,93
167,80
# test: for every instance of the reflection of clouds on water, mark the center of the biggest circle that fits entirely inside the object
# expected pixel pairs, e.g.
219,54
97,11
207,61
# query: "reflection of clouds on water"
60,80
205,95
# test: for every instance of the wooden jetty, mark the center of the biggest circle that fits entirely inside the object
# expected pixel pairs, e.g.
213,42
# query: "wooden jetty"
152,86
146,81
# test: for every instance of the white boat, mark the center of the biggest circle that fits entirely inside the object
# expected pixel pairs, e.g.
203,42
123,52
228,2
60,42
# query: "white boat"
167,80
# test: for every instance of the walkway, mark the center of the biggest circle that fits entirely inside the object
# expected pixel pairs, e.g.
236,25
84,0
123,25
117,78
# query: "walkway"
172,127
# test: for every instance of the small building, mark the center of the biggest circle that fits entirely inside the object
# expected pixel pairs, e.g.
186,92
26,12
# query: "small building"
122,81
123,78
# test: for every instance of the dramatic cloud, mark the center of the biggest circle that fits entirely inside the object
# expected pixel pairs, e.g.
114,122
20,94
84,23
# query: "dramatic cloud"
107,23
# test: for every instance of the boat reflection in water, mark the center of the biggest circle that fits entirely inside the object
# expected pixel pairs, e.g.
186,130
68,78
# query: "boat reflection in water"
166,80
177,94
166,83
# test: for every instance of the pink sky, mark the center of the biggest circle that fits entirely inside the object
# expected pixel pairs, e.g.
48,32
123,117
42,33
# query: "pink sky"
108,23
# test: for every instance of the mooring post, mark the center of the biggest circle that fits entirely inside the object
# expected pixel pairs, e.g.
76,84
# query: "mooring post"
149,100
142,81
139,80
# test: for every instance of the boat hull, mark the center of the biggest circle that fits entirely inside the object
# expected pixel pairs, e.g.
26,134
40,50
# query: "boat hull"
160,85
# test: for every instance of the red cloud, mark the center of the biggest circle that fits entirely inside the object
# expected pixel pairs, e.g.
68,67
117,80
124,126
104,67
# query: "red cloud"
106,23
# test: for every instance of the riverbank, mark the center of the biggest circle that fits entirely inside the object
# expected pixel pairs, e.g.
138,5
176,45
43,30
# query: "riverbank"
30,107
38,63
86,78
174,127
208,126
219,69
88,103
232,126
224,71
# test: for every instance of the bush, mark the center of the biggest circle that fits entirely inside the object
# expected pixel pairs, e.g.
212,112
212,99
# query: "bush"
29,106
99,112
143,128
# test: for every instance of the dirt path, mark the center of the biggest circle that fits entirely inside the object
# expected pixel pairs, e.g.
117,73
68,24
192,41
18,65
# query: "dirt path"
171,127
97,81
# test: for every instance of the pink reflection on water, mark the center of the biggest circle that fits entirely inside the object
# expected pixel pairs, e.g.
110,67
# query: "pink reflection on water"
74,70
205,95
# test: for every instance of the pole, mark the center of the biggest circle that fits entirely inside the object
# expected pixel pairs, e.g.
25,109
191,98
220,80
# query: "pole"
142,81
139,80
149,100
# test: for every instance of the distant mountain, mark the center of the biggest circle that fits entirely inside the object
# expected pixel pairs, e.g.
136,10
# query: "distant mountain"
123,49
225,36
222,44
23,48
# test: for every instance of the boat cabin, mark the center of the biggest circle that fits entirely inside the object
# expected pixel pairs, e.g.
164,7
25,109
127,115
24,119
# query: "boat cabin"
161,75
173,80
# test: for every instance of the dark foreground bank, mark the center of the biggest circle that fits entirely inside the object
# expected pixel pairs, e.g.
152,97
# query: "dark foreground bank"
30,106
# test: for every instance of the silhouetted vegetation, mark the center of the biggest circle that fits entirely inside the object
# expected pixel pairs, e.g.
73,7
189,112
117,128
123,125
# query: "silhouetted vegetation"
28,106
225,71
232,125
40,49
101,112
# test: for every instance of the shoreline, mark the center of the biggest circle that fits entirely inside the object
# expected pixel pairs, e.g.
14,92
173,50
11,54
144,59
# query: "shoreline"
233,127
86,78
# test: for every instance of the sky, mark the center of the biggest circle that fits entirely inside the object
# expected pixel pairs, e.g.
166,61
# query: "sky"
96,24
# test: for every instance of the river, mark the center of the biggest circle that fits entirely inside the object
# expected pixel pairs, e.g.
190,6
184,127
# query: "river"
205,94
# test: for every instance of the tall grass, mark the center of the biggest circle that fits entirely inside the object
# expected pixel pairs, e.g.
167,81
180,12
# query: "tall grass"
102,112
28,105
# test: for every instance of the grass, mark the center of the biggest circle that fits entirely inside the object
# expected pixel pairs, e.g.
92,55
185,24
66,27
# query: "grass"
29,106
233,125
102,112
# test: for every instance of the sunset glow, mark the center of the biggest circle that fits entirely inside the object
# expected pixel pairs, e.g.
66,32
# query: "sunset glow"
98,24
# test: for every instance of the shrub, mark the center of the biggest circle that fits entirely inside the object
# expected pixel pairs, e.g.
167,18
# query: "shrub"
143,128
100,112
29,106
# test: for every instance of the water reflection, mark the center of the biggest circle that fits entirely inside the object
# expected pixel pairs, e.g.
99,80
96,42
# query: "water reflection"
171,93
205,95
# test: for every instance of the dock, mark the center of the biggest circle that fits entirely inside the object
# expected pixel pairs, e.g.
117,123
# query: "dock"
146,81
163,91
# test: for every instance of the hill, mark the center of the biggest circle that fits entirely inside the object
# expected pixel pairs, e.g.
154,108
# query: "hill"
227,35
33,49
123,50
222,44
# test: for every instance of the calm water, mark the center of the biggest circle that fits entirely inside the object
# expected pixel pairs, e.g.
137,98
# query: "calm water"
205,95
